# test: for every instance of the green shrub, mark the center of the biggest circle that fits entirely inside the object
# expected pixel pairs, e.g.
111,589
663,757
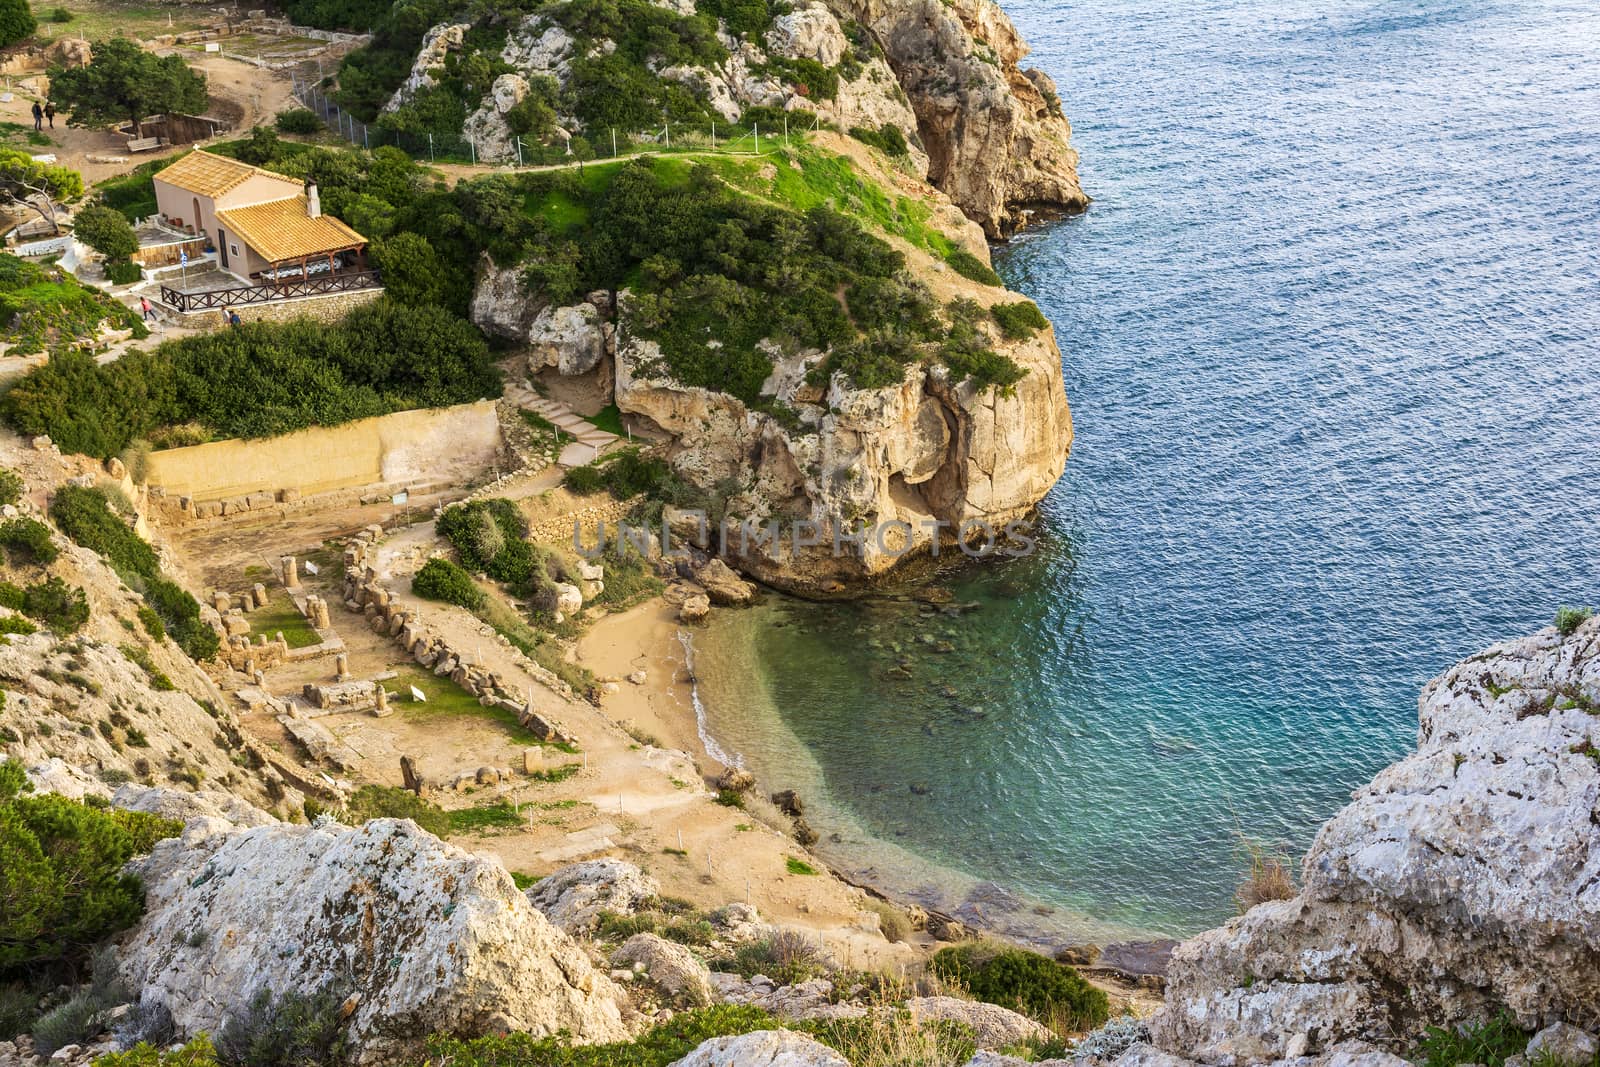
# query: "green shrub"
11,486
971,267
12,596
62,886
28,539
300,120
123,271
1490,1042
888,139
70,1023
85,515
42,308
19,1004
786,956
61,15
291,1030
517,563
16,22
257,380
59,606
16,624
1569,619
1019,320
199,1052
439,579
1023,981
105,230
392,802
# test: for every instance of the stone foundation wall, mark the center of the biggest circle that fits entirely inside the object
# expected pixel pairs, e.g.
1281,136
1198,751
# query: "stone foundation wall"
329,309
368,459
367,596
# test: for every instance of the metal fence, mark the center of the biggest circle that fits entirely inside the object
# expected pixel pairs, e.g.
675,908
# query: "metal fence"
710,136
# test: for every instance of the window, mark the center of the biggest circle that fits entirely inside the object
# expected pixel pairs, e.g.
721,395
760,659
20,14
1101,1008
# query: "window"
233,250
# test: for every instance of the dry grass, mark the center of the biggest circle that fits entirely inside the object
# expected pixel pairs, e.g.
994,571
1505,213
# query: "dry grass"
887,1036
1269,878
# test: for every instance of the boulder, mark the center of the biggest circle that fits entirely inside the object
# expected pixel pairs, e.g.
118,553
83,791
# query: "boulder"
1459,883
722,585
574,896
569,598
669,966
694,608
995,1027
183,806
763,1048
420,936
571,339
808,31
1563,1044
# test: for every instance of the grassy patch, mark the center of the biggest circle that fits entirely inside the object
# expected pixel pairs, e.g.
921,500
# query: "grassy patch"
1490,1042
447,700
798,866
477,820
281,616
609,419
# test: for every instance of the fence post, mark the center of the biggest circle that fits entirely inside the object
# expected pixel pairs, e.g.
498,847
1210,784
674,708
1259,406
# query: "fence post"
519,151
756,129
430,148
472,146
713,135
786,129
613,142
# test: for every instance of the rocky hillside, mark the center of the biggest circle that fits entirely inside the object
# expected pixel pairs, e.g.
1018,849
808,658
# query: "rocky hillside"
939,83
93,695
1462,883
870,395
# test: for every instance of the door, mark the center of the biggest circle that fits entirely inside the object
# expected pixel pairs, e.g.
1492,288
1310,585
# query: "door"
222,246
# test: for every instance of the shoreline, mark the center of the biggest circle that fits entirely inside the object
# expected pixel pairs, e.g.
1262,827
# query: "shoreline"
663,708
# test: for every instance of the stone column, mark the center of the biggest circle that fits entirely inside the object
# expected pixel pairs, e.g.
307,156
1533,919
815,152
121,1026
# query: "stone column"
258,593
412,779
291,573
341,667
382,708
221,601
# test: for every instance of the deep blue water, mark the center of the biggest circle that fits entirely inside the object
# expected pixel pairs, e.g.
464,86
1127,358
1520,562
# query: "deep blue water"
1330,338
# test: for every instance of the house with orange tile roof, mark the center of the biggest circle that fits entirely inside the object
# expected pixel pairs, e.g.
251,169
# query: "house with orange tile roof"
268,229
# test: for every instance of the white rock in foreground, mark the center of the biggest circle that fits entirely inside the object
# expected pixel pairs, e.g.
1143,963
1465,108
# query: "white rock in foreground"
425,936
1463,881
763,1048
574,896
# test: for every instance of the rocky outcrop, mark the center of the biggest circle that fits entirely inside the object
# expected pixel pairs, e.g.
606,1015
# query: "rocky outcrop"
574,896
487,127
763,1048
418,936
1463,881
997,141
992,1025
437,43
918,464
668,966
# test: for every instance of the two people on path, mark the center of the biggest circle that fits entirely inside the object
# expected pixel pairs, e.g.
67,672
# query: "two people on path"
48,111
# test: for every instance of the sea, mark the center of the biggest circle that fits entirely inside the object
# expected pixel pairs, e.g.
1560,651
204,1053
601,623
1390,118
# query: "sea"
1331,336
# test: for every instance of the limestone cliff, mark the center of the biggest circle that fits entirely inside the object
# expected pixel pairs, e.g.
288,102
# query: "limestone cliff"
996,138
917,464
1463,881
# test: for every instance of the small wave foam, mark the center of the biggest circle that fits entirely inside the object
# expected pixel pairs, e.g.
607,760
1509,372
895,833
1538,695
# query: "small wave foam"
709,743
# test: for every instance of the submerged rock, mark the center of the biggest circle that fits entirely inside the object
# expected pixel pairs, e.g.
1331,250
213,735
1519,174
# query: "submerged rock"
420,936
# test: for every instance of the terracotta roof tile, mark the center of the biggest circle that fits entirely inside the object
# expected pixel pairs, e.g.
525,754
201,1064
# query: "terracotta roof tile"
209,175
281,229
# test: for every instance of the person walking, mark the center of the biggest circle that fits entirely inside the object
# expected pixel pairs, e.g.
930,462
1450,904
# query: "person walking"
50,114
38,116
233,318
149,311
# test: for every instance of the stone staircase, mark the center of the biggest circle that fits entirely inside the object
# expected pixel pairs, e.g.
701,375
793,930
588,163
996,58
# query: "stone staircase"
591,440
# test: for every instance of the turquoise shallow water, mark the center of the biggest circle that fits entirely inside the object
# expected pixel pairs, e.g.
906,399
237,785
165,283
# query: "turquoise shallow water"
1329,333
